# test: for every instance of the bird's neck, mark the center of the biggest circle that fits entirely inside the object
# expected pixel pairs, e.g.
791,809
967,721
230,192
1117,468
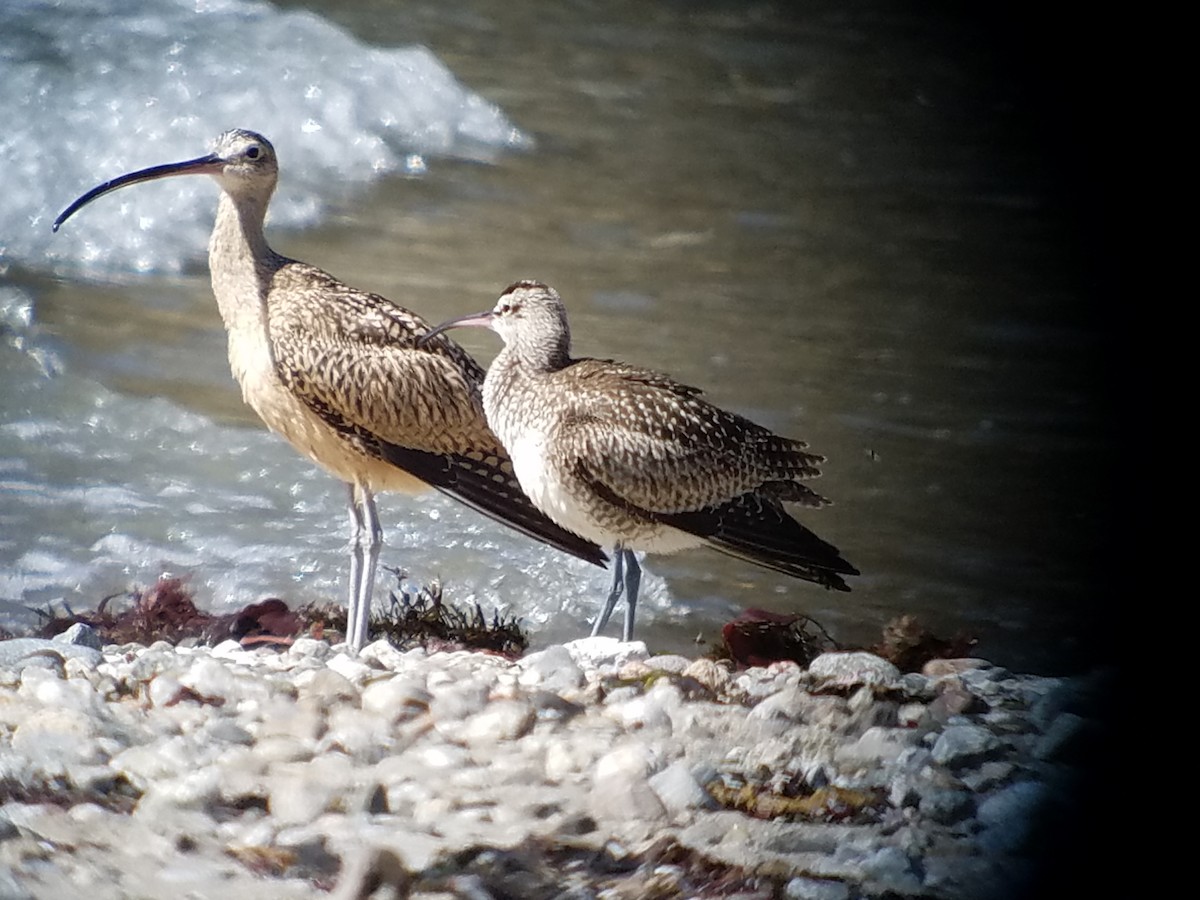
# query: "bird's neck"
242,266
240,261
514,381
542,352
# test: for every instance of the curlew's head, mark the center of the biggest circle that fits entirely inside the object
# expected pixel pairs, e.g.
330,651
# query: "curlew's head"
532,320
243,163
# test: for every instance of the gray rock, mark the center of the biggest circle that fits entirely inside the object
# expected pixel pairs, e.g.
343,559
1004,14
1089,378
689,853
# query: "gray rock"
850,668
915,775
210,678
552,669
226,731
10,888
676,786
372,870
758,683
891,869
398,698
952,700
946,806
622,786
165,690
1010,815
197,790
939,668
357,671
709,673
18,652
458,702
965,745
363,737
989,776
877,746
81,635
802,888
650,711
985,678
300,792
605,653
917,687
58,738
327,687
669,662
310,647
789,703
502,720
865,711
7,828
550,707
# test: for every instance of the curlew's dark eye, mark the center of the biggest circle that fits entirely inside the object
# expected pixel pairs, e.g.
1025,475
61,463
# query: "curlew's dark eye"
252,152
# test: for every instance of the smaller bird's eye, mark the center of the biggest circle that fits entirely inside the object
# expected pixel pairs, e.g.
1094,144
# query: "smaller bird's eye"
252,152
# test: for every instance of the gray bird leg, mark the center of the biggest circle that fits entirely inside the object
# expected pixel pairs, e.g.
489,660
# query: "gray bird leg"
633,580
365,542
614,594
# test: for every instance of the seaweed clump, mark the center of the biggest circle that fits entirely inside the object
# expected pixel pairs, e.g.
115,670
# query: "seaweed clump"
759,637
413,616
908,645
167,612
418,616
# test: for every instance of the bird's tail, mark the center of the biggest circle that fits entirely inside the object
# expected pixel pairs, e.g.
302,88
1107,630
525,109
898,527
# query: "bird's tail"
757,528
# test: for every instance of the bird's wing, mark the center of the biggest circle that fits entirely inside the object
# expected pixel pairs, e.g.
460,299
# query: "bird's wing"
353,355
657,450
755,527
659,445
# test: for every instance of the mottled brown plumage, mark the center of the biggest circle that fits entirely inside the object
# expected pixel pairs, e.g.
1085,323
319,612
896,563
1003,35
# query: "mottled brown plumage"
338,372
631,458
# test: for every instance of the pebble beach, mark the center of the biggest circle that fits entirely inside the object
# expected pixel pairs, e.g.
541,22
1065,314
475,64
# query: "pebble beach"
585,770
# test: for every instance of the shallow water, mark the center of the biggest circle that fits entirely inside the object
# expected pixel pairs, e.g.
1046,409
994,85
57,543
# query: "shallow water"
842,223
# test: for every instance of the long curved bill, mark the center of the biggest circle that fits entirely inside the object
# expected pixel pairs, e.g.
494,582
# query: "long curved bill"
476,320
202,165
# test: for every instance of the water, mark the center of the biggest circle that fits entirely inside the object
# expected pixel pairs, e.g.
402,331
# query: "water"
842,222
110,85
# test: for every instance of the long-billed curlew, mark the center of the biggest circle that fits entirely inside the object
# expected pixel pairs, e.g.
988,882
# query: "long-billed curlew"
632,459
337,372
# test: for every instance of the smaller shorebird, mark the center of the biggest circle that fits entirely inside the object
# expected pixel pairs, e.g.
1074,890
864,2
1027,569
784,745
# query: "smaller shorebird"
631,459
338,372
